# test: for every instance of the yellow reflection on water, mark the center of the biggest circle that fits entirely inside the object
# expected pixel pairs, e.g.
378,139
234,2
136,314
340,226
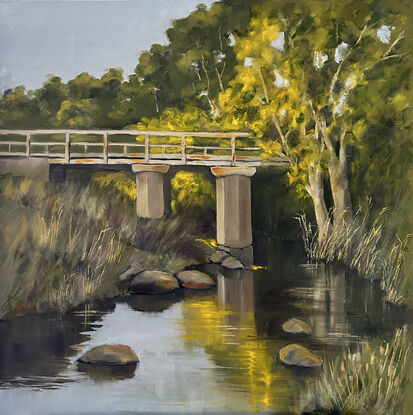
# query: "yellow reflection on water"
246,360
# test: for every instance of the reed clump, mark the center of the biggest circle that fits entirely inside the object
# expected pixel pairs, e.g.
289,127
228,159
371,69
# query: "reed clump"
61,246
371,380
365,247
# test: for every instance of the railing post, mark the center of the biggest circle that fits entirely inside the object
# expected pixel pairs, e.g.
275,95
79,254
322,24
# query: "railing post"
28,145
67,148
147,149
105,148
233,150
183,149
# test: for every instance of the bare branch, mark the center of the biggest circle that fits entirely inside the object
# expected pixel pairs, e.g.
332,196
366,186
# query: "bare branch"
283,136
393,45
264,86
322,126
221,86
385,58
220,38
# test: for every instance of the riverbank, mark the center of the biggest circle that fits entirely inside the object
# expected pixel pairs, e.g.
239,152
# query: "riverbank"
63,245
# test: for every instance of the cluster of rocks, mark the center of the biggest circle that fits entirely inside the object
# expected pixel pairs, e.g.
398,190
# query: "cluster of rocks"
295,354
223,257
142,281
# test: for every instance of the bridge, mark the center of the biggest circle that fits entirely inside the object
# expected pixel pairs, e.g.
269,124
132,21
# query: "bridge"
232,158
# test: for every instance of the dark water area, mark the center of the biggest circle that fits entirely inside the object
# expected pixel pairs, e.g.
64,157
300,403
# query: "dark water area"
213,351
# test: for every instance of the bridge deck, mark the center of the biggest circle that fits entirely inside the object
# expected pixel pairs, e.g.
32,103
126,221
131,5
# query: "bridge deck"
114,147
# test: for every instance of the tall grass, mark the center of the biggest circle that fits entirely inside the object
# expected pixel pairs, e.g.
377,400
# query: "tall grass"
365,247
62,246
370,381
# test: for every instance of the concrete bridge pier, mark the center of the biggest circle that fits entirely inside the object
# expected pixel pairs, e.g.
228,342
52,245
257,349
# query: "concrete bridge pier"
151,198
233,193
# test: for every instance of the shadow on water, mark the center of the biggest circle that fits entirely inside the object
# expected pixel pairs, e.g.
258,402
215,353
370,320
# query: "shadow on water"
104,373
215,350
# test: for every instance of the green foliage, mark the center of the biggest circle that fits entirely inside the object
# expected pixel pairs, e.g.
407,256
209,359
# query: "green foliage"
123,183
193,196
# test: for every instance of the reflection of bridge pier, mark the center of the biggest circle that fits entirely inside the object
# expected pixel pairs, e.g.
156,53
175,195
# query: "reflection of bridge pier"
236,290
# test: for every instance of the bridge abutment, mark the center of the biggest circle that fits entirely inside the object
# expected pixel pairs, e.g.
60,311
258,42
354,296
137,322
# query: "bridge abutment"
151,197
233,193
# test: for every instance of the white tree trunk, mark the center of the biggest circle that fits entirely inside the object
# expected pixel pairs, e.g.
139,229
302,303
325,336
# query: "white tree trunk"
340,189
315,189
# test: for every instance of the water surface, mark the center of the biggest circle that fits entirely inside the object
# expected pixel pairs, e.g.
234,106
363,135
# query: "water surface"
213,351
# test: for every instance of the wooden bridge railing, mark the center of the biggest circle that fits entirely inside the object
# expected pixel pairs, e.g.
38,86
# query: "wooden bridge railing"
106,153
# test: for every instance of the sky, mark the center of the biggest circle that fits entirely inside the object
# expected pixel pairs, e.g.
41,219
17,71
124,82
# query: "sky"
67,37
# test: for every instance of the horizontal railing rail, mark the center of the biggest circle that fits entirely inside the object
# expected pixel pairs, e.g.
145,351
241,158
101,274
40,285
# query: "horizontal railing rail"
108,148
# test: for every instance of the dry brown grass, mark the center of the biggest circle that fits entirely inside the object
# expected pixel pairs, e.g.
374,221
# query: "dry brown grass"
62,246
371,380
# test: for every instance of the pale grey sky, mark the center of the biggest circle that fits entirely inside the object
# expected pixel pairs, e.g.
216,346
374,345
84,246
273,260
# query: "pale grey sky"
66,37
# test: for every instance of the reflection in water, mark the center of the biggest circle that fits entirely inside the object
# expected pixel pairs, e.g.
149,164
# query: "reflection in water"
101,373
236,289
154,303
35,349
200,351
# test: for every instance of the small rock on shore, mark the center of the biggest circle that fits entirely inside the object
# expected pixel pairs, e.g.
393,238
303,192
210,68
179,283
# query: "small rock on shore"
153,282
232,263
134,269
218,256
195,280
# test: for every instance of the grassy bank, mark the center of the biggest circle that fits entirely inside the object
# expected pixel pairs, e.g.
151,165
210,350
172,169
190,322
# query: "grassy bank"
371,380
62,245
369,247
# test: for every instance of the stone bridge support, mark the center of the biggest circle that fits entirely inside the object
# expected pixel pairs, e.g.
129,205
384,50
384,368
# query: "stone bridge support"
151,197
233,195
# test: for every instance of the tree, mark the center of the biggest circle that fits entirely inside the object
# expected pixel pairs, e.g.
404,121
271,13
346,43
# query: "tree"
50,97
19,109
305,71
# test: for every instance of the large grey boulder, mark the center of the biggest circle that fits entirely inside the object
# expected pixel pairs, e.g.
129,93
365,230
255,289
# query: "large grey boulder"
232,263
134,269
218,256
153,282
195,280
296,326
296,355
110,354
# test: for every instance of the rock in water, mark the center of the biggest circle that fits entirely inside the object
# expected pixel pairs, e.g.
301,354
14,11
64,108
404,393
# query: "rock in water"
110,354
296,355
218,256
232,263
195,279
133,270
153,282
296,326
